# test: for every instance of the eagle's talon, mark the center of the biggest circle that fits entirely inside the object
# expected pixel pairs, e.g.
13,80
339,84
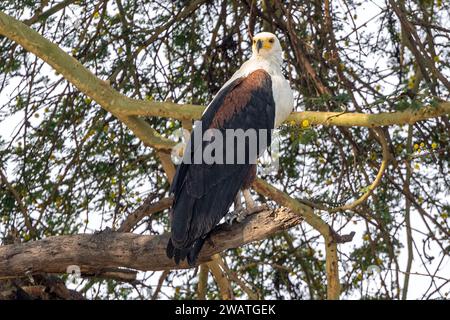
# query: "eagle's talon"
241,215
238,215
229,219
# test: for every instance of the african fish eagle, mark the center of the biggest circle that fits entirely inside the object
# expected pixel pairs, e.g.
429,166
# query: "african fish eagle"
256,97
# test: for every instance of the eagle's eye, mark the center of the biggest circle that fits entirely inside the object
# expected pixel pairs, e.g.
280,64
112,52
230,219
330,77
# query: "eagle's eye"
271,40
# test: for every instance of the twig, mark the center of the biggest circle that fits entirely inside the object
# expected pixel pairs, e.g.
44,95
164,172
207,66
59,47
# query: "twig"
160,283
20,204
376,182
409,239
145,210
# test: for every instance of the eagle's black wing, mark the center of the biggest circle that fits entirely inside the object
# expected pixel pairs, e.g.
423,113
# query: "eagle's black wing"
204,192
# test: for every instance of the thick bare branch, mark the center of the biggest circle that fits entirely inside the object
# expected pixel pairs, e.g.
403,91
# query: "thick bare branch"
115,249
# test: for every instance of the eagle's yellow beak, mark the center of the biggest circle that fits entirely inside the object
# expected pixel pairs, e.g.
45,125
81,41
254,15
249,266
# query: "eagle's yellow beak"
263,44
259,45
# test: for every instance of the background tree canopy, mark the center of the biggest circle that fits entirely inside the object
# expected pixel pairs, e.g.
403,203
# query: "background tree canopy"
69,166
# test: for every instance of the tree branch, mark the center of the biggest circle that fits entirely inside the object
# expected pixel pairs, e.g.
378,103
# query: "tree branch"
126,109
112,250
220,277
109,249
20,204
40,16
202,285
329,235
146,209
74,72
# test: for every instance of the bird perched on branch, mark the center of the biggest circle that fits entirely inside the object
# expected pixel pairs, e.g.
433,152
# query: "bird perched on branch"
256,99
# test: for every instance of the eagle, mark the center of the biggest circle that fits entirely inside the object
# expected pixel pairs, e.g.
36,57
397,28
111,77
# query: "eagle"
257,97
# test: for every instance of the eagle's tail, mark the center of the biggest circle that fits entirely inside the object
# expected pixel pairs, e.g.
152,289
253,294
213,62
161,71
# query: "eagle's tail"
190,253
194,215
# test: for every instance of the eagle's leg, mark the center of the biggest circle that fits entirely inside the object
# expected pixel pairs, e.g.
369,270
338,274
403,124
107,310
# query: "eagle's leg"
240,213
238,209
249,202
250,206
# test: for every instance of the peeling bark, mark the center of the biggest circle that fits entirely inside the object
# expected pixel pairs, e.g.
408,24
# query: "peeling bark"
108,249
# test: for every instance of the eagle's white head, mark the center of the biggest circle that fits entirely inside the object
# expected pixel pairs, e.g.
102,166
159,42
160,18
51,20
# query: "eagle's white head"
266,45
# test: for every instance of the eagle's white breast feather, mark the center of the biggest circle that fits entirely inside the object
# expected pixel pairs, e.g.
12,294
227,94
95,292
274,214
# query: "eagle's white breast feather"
282,92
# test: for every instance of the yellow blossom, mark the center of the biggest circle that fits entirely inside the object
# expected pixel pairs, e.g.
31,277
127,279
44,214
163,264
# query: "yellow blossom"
434,145
305,123
411,82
